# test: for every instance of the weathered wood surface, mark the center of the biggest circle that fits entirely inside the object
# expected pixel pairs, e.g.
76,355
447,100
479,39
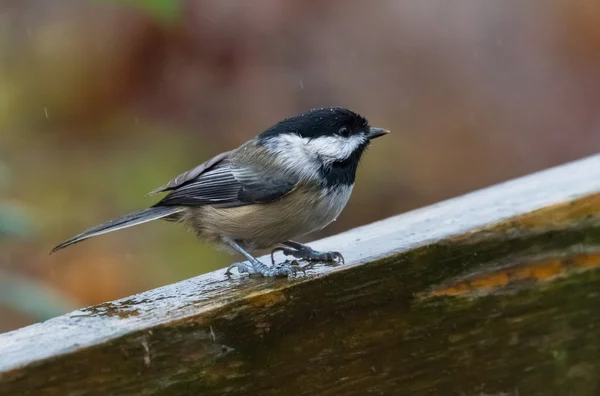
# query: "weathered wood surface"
493,293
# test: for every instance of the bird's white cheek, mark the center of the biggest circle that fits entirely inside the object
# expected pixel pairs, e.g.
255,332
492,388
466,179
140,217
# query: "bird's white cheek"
335,147
292,151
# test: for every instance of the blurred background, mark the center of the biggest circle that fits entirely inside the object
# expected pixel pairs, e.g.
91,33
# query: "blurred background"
103,101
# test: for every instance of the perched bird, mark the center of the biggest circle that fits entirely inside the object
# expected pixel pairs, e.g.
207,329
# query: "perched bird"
292,179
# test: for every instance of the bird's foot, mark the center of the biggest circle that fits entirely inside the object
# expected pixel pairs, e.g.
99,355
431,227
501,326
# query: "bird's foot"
255,267
307,253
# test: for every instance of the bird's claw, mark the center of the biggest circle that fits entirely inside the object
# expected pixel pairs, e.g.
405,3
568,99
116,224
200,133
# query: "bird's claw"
277,249
258,268
309,254
287,268
335,257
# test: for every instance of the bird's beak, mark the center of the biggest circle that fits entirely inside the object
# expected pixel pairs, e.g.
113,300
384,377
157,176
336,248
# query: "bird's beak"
376,132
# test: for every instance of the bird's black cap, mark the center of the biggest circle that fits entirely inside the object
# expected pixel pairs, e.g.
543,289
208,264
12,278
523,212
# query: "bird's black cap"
319,122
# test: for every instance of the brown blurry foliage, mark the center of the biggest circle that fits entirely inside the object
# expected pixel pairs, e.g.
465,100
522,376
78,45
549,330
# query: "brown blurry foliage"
102,102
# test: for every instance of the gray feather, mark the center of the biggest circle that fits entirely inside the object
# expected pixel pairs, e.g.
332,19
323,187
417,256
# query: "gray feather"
245,176
192,174
230,186
129,220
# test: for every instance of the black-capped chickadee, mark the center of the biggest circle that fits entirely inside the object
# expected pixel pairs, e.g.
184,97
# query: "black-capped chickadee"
292,179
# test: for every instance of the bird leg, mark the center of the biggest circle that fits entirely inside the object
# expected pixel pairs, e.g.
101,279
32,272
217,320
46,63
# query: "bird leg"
305,252
255,267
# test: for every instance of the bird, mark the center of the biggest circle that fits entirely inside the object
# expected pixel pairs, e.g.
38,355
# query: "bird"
290,180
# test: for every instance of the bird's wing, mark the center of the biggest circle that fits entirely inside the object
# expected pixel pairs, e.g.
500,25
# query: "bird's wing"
192,174
229,185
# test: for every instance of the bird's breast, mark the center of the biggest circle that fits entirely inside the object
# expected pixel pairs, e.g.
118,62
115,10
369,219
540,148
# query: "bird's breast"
260,226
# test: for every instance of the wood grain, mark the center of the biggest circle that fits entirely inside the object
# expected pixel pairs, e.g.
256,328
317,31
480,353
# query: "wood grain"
495,292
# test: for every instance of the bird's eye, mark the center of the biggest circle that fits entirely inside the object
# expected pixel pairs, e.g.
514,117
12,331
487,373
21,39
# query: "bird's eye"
344,131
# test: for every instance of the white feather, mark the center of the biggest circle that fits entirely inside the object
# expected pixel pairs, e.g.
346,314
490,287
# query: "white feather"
335,148
306,156
332,203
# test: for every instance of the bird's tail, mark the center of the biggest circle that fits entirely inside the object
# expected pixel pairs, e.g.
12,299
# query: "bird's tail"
129,220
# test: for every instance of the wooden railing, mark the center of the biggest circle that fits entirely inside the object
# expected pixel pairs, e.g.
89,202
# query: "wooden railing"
493,293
